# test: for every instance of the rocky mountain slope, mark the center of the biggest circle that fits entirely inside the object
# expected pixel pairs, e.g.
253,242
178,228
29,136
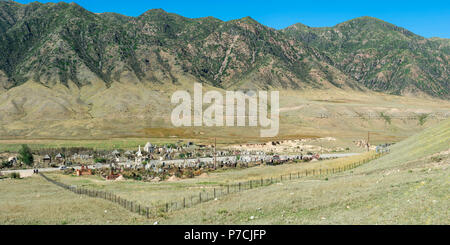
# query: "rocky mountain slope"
382,56
63,43
74,72
58,43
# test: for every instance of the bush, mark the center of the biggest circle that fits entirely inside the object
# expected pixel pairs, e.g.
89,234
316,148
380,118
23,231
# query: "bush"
178,174
69,171
99,160
386,117
436,159
25,155
14,175
5,164
188,173
132,174
422,119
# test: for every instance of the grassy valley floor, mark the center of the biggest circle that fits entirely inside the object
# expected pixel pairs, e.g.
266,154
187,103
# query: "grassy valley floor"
408,186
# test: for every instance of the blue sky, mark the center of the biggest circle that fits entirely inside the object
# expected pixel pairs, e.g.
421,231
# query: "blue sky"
429,18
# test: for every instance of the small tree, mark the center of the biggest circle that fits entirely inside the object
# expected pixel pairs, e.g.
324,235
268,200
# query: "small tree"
386,117
422,119
5,164
25,155
100,160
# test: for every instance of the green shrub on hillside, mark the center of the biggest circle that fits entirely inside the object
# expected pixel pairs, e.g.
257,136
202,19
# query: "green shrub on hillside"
14,175
386,117
422,119
25,155
99,160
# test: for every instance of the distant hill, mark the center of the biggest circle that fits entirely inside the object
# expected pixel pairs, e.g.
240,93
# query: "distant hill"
65,44
382,56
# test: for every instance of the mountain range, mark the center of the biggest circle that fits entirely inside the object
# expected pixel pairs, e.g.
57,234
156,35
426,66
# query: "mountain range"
68,72
62,43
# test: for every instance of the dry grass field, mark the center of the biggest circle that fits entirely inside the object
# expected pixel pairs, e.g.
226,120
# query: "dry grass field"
34,201
408,186
344,115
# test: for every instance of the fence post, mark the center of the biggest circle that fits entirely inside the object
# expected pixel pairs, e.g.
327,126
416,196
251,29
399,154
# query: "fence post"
228,189
214,192
147,213
167,207
251,184
239,186
200,196
184,202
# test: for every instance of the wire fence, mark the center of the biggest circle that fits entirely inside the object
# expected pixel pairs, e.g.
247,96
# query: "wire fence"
127,204
207,195
438,116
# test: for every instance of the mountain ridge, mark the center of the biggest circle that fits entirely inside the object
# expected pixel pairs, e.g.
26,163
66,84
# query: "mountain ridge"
56,43
382,56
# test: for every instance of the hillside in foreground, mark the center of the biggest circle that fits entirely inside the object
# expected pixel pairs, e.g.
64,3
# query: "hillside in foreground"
408,186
